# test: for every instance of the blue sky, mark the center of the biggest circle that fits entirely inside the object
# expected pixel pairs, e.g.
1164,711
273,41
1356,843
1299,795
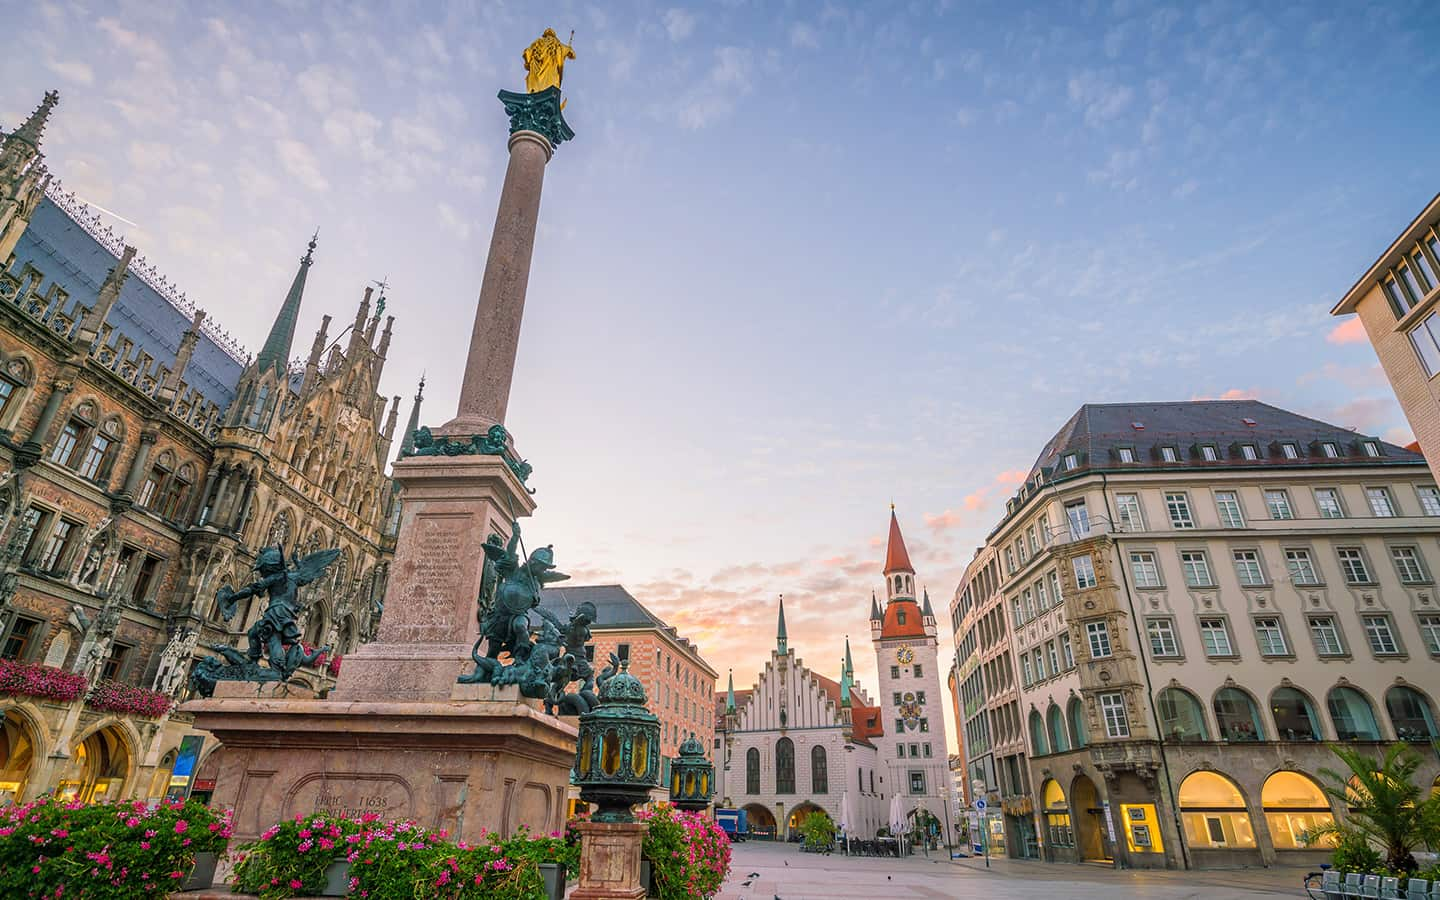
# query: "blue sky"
801,259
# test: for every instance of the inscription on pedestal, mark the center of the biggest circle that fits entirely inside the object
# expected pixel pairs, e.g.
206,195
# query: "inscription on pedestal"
351,796
439,567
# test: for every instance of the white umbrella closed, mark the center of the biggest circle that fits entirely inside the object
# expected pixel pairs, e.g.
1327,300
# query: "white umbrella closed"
897,821
847,818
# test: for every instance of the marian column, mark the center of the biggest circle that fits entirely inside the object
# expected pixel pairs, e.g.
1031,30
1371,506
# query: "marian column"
468,483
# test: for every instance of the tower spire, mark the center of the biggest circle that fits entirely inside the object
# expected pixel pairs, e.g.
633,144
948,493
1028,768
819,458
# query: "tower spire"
730,694
849,663
275,354
780,637
925,609
407,442
34,127
897,558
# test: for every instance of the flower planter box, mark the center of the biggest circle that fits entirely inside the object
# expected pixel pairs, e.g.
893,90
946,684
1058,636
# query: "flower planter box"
553,876
337,879
202,874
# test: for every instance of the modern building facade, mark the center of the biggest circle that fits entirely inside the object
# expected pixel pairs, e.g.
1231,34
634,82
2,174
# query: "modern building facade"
144,461
1197,596
1395,300
796,742
907,659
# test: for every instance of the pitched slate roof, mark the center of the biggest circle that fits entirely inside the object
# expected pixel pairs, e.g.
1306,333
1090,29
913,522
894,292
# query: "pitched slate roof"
1097,432
73,259
615,607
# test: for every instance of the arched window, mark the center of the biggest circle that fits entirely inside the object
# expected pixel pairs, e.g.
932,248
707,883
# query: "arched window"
172,502
1076,713
752,771
1056,721
1213,812
1410,713
1352,715
784,766
279,534
1037,734
897,584
1057,815
1295,718
1294,804
1237,716
819,776
1181,717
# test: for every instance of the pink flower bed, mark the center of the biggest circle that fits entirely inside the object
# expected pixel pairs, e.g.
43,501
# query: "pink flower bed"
111,696
25,680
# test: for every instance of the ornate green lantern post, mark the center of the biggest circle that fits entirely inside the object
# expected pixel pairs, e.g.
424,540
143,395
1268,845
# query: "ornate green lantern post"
692,777
617,763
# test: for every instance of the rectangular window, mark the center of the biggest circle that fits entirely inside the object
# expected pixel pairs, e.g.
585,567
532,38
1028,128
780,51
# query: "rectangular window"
1301,566
7,393
1127,454
1099,636
1228,505
1178,506
1407,563
1380,635
924,724
1010,560
1327,500
1040,673
1041,601
1430,631
917,783
900,750
1127,510
1066,654
1326,636
622,651
1290,451
1208,453
1270,636
1054,655
70,438
1020,551
919,672
1145,569
920,697
895,698
1372,448
1167,454
1031,540
1278,503
53,556
1422,265
1352,563
1025,677
18,639
1330,450
1055,587
1084,572
1117,723
1380,503
927,750
1408,277
1045,535
1079,516
1425,338
894,671
1248,569
1017,612
1248,451
1070,461
1429,499
1197,568
1162,638
115,662
899,726
1215,636
95,456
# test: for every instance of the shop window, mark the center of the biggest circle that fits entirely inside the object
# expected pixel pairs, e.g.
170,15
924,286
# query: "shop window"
1057,816
1294,804
1213,813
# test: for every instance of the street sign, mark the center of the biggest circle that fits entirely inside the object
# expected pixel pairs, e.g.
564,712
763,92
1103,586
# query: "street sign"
980,803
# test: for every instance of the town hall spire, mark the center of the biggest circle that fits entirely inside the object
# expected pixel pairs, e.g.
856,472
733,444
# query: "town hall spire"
276,352
780,637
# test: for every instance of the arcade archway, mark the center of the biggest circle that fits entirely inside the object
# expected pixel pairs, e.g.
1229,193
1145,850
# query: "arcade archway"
760,822
799,814
17,756
98,768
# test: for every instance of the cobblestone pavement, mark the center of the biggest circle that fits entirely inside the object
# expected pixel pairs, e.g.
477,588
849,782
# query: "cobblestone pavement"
781,871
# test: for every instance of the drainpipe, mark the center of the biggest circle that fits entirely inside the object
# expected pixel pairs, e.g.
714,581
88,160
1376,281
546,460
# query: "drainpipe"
1149,685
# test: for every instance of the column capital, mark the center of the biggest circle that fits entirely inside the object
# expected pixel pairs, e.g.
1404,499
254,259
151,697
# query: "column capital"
539,113
149,436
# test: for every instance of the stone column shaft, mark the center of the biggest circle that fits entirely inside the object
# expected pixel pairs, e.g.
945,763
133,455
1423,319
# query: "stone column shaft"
138,464
490,364
34,446
198,504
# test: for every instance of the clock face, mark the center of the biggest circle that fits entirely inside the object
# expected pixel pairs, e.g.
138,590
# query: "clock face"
905,656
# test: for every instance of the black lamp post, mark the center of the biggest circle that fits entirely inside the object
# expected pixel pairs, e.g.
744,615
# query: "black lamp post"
692,777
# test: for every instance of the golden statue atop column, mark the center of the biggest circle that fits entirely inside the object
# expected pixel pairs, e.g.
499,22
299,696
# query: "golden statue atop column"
545,61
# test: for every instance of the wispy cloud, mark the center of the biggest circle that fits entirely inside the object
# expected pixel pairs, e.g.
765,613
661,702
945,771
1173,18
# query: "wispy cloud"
1350,331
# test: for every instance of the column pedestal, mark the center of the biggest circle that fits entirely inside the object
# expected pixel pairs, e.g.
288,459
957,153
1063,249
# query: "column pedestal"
610,861
450,505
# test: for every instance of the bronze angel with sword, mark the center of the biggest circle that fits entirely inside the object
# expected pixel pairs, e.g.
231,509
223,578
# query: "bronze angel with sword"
276,634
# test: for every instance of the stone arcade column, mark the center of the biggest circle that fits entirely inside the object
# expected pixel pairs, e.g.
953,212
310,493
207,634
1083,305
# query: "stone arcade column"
398,736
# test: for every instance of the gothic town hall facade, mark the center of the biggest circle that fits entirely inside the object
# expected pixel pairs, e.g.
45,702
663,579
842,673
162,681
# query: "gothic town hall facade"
144,461
798,741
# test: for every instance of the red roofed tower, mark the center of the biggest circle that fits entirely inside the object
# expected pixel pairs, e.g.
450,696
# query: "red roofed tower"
907,662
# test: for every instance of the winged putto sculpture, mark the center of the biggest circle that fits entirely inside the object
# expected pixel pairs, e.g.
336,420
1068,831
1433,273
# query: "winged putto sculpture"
275,636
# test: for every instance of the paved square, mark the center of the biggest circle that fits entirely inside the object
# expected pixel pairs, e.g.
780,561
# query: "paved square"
782,871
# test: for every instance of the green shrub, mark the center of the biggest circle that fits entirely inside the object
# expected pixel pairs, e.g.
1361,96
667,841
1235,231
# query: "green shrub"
51,849
819,831
1353,854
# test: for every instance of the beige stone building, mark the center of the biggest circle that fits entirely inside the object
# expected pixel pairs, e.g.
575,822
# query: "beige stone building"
144,461
1395,300
1195,597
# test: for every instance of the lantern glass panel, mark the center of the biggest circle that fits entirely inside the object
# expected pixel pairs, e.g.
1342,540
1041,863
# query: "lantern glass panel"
610,753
